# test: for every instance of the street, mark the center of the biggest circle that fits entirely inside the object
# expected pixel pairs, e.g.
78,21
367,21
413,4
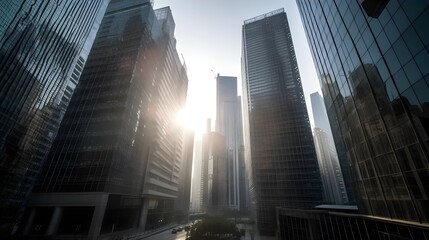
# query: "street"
251,234
167,235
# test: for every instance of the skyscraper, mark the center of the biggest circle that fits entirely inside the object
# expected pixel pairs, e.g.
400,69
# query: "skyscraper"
372,59
214,174
196,192
284,169
217,186
115,164
330,170
373,63
229,123
43,48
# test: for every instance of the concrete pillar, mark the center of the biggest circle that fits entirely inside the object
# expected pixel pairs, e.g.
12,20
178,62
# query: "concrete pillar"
97,218
30,221
55,221
143,214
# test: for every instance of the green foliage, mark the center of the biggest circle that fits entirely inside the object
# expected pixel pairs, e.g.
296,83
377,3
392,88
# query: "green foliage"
214,228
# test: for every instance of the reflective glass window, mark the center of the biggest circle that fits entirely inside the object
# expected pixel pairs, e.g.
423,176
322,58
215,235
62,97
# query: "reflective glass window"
401,81
393,6
411,100
402,51
383,42
353,29
421,89
422,60
382,69
360,45
391,31
401,20
404,160
384,18
375,27
375,53
421,25
413,8
418,157
412,72
386,164
414,182
412,39
367,37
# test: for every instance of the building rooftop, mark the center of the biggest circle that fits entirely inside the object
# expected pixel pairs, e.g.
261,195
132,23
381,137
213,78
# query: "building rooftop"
266,15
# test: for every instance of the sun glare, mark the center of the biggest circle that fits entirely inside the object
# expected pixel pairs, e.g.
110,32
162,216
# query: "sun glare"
184,118
191,119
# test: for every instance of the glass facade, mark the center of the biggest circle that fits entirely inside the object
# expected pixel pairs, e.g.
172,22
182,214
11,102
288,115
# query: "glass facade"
43,49
279,146
217,165
95,149
229,123
373,68
119,142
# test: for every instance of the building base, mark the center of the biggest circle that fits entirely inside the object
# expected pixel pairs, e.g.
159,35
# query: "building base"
93,215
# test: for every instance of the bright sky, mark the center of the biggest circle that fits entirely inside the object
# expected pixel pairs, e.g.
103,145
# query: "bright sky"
208,34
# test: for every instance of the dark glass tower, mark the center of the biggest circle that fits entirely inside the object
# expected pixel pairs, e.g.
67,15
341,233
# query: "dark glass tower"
229,123
373,63
43,48
284,169
115,164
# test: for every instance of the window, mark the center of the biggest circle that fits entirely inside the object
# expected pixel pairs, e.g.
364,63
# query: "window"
392,61
412,72
402,51
422,60
401,81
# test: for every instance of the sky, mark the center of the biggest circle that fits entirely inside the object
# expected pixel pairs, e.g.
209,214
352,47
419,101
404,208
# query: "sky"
208,34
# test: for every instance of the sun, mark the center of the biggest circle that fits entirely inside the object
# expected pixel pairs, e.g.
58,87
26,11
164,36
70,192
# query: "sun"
185,118
192,119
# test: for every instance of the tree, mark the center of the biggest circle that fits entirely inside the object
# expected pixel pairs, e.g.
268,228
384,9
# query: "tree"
213,229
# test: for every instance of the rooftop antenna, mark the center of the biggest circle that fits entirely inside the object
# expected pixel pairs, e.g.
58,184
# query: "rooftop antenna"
215,75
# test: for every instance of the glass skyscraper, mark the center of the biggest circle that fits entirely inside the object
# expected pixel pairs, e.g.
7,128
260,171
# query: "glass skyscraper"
115,165
373,63
197,185
229,124
43,49
280,152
